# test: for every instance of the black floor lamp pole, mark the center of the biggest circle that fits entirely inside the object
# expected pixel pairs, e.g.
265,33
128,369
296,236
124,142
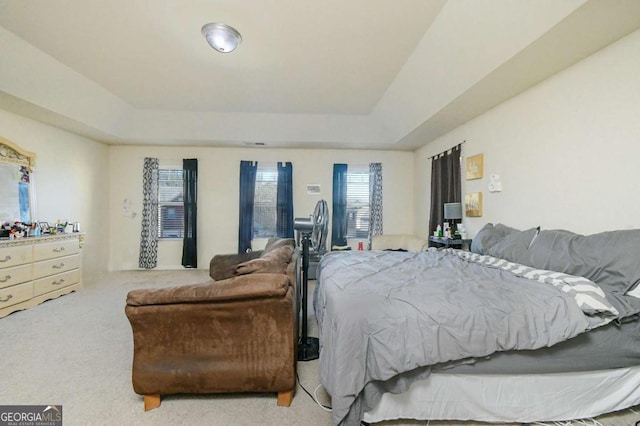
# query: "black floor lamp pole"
308,347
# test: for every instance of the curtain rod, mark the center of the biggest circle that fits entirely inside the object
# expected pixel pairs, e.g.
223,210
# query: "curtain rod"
447,150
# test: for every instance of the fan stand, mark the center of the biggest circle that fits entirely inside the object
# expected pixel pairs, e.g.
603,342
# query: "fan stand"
308,347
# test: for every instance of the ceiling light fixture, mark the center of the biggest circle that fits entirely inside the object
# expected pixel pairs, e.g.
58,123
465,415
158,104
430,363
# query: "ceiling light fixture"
221,37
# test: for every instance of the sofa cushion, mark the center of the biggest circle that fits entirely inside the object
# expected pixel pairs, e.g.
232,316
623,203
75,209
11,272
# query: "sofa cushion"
223,266
275,261
276,242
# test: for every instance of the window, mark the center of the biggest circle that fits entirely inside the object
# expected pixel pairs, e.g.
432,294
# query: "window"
265,200
358,202
170,203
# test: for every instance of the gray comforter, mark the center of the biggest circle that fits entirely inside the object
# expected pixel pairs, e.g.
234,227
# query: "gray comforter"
384,316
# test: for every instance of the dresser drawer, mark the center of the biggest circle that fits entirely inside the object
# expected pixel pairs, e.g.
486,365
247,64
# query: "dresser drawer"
18,255
15,275
53,250
16,294
55,282
55,266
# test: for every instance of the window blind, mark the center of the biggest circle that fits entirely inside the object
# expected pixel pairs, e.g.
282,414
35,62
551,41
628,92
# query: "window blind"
358,202
265,200
170,203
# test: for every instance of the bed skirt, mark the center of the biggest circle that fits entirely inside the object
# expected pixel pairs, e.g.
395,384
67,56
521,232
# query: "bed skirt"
512,398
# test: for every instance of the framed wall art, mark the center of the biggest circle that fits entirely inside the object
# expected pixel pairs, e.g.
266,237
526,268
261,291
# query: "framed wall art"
475,166
473,204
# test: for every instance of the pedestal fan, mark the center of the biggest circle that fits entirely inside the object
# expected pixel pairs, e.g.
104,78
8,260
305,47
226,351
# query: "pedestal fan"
313,234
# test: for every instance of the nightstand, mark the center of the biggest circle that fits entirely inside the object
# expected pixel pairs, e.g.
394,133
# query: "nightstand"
458,243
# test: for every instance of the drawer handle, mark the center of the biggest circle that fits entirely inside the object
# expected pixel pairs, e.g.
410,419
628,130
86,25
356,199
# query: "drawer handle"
58,282
6,278
6,258
9,297
59,249
60,266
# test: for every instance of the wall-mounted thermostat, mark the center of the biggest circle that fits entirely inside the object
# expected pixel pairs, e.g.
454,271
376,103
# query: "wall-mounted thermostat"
313,188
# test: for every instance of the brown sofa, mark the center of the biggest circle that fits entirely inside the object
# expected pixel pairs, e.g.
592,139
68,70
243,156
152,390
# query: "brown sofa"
236,333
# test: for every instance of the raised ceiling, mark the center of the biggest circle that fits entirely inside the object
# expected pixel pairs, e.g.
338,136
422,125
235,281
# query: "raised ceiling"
336,74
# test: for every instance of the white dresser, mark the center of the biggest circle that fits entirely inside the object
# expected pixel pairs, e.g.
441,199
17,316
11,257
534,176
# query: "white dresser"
33,270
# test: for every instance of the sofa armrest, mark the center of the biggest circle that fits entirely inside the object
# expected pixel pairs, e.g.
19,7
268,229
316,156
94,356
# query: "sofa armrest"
254,286
415,243
223,266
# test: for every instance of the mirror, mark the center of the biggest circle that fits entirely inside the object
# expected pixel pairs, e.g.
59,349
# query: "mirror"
16,183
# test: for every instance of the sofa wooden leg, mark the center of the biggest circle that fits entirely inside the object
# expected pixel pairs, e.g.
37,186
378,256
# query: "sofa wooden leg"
285,398
151,402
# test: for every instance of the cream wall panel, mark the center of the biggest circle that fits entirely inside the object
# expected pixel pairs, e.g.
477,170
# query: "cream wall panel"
218,176
567,150
71,181
464,43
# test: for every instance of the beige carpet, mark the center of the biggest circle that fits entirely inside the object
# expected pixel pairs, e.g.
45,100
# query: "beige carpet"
76,351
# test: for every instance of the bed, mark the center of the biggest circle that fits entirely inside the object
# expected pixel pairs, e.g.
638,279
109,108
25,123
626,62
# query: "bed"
485,335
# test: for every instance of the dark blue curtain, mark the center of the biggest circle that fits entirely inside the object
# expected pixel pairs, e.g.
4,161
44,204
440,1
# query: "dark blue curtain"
248,171
339,219
284,203
190,240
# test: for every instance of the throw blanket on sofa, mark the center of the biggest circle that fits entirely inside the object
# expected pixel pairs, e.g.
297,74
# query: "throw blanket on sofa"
382,314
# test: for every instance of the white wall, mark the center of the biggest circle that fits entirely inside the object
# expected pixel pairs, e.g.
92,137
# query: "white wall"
567,150
71,182
218,177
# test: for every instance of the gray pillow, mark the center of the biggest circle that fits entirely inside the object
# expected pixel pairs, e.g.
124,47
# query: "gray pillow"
514,246
489,236
610,259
